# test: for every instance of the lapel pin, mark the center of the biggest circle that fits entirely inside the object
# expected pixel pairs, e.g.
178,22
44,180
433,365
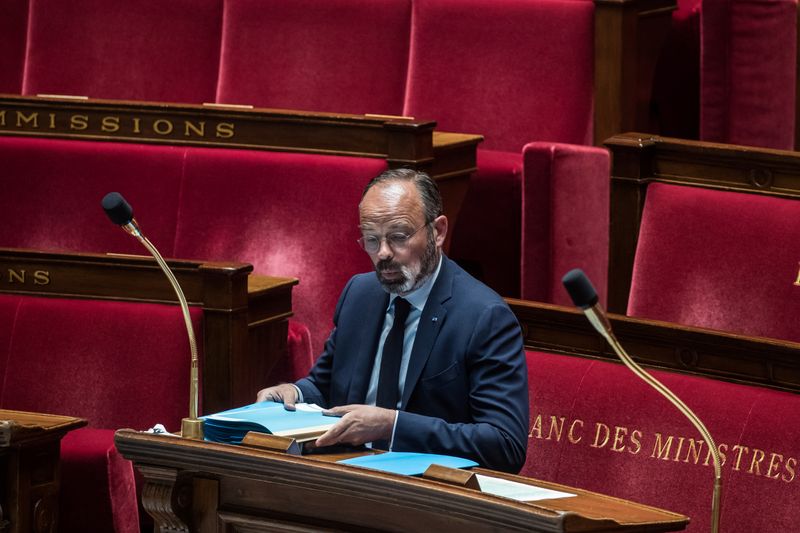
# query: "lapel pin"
434,319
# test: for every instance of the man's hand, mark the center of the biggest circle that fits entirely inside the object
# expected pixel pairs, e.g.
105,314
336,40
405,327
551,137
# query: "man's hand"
359,424
285,393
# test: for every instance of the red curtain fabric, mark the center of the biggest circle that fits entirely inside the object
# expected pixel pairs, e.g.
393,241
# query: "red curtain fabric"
343,56
748,72
144,50
720,260
596,426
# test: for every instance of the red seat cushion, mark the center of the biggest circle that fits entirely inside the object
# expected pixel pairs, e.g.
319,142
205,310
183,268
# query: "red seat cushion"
143,50
58,186
720,260
534,60
288,214
344,56
749,70
596,426
117,364
13,37
97,484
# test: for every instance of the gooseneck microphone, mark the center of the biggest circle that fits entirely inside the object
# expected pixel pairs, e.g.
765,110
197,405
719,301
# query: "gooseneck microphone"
584,295
121,213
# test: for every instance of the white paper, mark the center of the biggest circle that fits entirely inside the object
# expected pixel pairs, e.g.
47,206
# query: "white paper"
307,407
517,491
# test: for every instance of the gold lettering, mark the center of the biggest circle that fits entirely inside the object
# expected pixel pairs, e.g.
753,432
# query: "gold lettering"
52,120
619,436
721,449
41,277
536,428
661,451
167,126
758,458
78,122
636,438
693,451
678,450
201,131
570,436
110,124
796,281
773,466
557,426
739,449
137,125
3,118
600,426
14,276
225,130
791,462
27,119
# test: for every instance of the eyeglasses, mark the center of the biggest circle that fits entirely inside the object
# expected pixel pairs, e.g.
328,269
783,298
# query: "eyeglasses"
396,240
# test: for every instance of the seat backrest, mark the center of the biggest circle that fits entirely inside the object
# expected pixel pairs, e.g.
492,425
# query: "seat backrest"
748,72
596,426
720,260
534,62
344,56
55,201
13,35
286,213
117,364
143,50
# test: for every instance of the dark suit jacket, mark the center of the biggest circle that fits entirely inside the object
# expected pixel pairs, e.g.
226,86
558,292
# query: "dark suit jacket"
466,391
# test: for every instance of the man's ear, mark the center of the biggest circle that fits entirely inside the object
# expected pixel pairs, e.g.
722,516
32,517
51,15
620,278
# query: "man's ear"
440,229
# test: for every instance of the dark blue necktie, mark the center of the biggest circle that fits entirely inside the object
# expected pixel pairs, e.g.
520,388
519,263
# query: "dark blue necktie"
389,378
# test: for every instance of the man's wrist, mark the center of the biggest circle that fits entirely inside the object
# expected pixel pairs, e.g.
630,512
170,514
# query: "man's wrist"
394,427
299,393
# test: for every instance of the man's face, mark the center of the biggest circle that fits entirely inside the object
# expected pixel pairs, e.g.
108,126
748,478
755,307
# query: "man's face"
394,207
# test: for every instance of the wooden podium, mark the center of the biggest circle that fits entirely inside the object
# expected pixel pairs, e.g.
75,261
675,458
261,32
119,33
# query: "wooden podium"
29,469
203,486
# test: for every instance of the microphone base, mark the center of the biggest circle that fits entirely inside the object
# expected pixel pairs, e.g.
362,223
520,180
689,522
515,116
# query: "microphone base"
192,428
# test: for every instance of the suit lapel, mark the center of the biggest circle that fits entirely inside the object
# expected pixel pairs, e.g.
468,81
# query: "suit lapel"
430,323
372,314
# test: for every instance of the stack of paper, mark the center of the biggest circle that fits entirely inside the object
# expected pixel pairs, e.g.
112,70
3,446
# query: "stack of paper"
306,423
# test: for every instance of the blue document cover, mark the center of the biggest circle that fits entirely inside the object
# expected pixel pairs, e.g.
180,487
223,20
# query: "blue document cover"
306,423
407,463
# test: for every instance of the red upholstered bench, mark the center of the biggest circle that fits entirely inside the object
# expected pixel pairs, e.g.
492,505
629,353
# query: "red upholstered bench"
117,364
286,213
596,426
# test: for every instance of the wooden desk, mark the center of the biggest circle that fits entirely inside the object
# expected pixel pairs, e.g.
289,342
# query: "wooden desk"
202,486
30,445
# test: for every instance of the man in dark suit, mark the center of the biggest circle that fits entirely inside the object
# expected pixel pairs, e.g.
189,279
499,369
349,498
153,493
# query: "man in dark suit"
422,357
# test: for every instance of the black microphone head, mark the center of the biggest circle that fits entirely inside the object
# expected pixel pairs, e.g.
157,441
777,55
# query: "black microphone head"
118,210
580,289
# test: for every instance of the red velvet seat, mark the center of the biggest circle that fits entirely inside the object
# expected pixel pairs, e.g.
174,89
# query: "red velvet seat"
596,426
719,260
143,50
344,56
287,214
13,38
54,202
749,71
117,364
536,60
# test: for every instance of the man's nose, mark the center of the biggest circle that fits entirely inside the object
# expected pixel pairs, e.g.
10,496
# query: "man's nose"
384,250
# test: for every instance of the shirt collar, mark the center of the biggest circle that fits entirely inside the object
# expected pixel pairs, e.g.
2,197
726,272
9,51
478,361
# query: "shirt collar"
419,296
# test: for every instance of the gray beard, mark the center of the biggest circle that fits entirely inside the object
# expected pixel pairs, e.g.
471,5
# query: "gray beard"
410,280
